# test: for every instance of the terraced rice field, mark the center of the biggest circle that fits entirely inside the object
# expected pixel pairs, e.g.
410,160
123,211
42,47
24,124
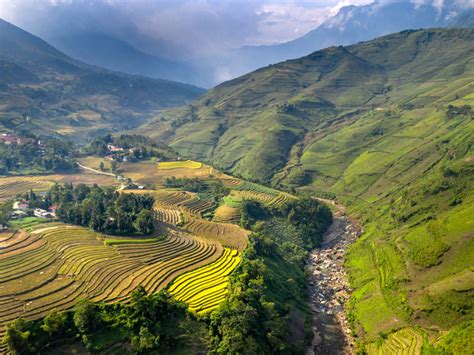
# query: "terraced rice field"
54,265
227,214
228,235
262,197
167,215
10,186
188,164
406,341
186,202
205,288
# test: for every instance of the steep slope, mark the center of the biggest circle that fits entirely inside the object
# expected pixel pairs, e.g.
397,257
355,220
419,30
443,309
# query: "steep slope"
44,90
387,128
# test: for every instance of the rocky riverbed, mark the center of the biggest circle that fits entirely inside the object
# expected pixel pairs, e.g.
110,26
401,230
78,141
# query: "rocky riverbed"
329,289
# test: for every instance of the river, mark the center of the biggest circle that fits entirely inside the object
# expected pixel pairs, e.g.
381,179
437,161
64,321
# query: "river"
329,288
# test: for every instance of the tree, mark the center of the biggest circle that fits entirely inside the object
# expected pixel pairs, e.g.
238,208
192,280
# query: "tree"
145,340
17,337
54,323
101,166
113,166
85,317
5,212
144,222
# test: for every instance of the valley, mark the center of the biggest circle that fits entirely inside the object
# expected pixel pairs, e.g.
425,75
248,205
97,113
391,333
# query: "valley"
384,127
322,204
48,265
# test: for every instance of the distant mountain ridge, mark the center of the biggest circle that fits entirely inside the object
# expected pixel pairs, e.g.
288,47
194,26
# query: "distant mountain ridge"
114,54
43,89
352,24
137,54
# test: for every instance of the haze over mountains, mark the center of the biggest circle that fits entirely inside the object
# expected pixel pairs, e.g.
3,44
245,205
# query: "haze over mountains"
44,90
132,52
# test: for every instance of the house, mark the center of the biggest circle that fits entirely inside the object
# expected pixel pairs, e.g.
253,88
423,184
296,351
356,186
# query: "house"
17,214
8,138
21,206
40,213
114,148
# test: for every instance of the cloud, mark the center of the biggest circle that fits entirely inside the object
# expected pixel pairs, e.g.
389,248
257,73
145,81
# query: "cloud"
193,24
441,4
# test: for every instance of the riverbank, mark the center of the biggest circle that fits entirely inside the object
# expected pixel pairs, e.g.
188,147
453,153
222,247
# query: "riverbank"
329,289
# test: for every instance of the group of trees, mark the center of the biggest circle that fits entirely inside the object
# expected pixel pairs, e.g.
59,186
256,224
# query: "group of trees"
100,208
464,110
270,283
51,156
146,322
135,147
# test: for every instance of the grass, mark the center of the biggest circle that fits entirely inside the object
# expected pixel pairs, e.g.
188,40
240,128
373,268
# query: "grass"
26,223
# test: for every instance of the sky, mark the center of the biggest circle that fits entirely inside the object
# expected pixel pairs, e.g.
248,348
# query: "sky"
192,24
219,23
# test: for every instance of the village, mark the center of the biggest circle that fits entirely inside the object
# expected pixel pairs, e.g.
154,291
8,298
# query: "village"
22,209
119,154
9,139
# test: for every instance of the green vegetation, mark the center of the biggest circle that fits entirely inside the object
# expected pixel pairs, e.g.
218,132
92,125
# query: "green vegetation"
102,209
29,157
134,148
269,289
384,126
146,322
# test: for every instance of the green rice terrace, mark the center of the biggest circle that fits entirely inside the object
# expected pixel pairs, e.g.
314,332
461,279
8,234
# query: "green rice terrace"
52,266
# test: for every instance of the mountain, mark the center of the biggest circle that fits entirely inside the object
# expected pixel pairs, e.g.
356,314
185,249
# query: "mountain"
351,24
463,20
114,54
387,128
44,90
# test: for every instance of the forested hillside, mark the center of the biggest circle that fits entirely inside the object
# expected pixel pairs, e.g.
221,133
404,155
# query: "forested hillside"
44,91
386,127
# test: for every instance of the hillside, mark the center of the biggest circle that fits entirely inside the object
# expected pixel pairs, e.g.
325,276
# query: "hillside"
386,127
45,91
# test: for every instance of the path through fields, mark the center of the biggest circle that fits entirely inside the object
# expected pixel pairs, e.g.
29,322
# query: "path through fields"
94,170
